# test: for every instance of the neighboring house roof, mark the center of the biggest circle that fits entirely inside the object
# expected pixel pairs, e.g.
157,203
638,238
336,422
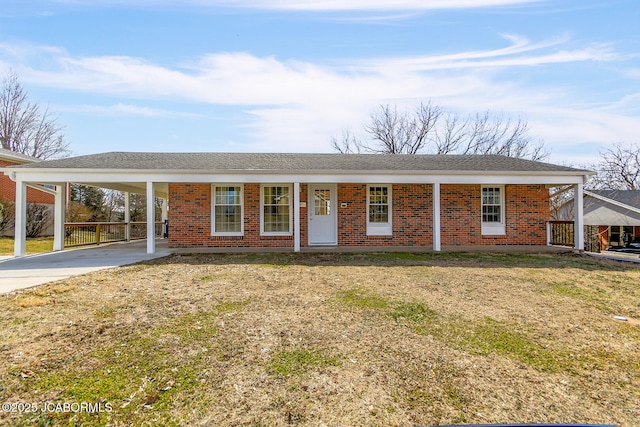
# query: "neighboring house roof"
17,158
245,162
612,207
627,197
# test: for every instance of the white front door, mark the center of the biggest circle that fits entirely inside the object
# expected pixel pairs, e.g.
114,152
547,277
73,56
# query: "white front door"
323,214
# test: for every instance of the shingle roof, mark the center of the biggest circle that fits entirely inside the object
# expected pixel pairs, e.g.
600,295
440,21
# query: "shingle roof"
280,162
628,197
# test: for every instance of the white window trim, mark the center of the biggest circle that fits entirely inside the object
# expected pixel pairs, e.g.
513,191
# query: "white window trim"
494,228
291,213
380,228
213,210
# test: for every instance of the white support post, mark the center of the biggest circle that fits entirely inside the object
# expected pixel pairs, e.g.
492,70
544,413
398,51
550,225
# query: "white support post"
58,216
127,216
296,217
578,223
20,231
436,217
151,219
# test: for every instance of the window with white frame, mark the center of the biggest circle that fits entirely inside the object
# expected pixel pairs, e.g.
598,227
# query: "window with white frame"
493,210
227,209
379,210
275,201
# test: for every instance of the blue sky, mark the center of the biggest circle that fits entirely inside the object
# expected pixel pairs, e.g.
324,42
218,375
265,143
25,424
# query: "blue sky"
287,75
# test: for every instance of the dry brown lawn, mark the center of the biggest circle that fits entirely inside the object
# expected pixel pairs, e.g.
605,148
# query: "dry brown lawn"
327,340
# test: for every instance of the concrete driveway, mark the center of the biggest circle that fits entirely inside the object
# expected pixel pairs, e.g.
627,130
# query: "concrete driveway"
32,270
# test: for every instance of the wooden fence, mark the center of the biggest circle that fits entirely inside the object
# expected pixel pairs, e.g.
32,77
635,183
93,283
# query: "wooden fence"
94,233
561,233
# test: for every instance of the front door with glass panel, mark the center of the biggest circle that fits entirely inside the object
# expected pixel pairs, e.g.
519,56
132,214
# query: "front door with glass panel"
323,224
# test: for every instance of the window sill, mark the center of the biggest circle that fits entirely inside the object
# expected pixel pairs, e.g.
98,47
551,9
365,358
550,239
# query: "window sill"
493,230
379,230
227,234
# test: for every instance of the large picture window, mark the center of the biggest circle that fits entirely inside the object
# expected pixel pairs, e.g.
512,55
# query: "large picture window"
493,210
379,210
227,210
276,210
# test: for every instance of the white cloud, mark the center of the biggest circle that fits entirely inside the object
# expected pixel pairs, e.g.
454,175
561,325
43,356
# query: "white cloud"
316,5
127,110
521,52
633,73
298,106
369,4
239,78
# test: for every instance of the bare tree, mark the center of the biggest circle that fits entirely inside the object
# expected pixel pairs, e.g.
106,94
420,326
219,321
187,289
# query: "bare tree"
401,133
452,134
113,205
38,218
347,144
24,127
7,214
77,212
618,169
488,133
430,130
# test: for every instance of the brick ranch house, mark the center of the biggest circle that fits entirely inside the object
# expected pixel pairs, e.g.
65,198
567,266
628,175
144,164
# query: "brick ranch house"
35,193
294,202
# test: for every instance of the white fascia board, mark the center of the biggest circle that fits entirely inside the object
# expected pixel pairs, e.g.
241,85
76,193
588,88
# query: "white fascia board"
368,177
18,159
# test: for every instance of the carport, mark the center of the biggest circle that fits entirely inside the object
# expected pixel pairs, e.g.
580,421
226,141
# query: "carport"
56,179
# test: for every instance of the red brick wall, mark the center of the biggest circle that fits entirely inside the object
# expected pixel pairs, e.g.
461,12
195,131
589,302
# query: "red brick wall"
190,220
526,209
8,188
526,212
411,217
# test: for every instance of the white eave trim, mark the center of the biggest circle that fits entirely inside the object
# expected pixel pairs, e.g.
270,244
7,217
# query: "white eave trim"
254,176
19,159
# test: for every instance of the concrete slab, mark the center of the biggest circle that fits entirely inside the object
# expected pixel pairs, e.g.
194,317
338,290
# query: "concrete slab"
33,270
617,256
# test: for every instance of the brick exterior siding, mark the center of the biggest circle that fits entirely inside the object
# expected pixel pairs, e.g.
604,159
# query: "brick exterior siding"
526,210
412,218
8,188
190,220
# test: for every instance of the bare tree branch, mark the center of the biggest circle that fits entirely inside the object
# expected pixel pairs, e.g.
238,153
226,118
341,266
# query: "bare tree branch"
401,133
429,130
347,144
24,128
451,134
618,169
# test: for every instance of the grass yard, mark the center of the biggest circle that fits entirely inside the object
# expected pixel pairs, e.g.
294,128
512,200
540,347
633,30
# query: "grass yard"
34,245
327,340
